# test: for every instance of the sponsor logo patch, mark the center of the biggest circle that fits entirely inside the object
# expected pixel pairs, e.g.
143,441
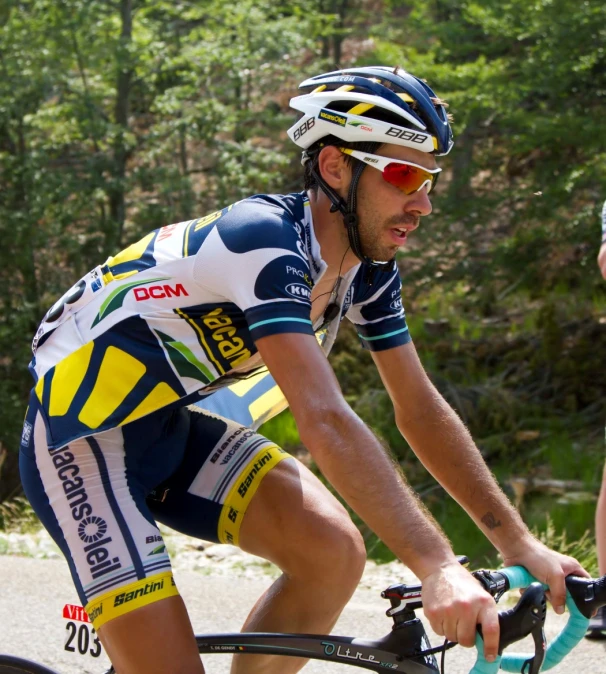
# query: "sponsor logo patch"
248,480
404,134
298,290
148,588
96,612
26,434
310,256
245,433
300,273
304,128
348,299
159,549
221,342
116,299
207,220
73,612
332,117
166,232
159,292
91,528
361,125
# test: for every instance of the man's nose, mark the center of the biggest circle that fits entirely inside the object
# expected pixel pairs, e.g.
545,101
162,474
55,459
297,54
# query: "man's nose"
420,202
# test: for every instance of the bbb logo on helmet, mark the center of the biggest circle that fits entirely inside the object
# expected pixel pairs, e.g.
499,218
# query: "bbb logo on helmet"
411,136
299,291
304,128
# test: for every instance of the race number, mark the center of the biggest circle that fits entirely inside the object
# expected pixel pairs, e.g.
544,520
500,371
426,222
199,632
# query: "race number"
81,637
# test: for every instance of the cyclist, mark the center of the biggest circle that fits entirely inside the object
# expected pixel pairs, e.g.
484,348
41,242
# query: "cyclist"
110,445
597,625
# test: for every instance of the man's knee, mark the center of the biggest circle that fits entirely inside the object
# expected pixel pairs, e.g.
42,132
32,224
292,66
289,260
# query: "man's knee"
334,550
295,522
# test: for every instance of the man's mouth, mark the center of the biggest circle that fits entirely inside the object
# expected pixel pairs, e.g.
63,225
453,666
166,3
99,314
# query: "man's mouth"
399,235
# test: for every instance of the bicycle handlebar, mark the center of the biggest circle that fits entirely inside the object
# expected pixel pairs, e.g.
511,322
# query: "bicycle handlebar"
583,597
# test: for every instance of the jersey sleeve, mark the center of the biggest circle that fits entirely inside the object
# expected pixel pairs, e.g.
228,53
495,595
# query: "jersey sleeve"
378,314
254,259
604,223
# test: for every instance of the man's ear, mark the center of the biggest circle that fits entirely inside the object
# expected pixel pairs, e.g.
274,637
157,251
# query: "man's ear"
333,168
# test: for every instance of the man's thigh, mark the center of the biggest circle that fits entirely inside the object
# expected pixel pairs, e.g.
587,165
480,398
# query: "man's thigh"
221,471
235,486
295,522
90,495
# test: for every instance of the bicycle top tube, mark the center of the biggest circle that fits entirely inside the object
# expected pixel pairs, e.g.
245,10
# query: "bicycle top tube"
406,648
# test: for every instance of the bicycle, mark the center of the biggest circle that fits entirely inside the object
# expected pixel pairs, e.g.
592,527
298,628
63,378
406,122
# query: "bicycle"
406,647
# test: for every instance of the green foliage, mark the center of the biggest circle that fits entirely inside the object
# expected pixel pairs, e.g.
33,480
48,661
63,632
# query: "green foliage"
116,118
526,82
583,547
283,431
17,516
119,118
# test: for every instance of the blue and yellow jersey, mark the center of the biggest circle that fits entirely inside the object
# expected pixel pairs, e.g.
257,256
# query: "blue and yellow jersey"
174,318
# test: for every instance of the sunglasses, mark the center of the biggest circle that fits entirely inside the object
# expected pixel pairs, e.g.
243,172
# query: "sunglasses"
406,176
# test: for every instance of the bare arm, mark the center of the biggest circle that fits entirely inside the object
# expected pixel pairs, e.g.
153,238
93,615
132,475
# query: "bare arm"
443,444
350,456
358,467
445,447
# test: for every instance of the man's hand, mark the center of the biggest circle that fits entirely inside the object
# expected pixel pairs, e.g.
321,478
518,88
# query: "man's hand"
547,566
455,603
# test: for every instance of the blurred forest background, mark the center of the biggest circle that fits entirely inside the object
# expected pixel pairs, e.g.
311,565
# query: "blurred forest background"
121,116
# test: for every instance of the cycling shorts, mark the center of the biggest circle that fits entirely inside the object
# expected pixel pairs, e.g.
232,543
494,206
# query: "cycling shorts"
101,496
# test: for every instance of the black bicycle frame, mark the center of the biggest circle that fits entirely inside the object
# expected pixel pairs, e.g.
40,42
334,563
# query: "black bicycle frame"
405,649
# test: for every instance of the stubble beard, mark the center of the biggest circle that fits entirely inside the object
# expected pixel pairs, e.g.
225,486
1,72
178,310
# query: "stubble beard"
371,230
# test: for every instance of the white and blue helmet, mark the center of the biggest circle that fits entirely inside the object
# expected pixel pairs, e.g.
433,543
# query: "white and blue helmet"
371,104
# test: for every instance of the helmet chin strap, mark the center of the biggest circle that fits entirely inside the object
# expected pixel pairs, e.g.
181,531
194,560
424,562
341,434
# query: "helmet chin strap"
350,217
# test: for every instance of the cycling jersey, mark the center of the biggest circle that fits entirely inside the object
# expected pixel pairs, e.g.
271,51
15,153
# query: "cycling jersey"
604,223
174,317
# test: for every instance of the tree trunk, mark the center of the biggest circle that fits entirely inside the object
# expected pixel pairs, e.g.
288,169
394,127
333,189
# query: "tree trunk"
339,36
26,260
460,187
117,191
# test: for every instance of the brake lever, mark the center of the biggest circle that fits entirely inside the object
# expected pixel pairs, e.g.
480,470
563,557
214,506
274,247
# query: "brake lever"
527,617
588,593
540,645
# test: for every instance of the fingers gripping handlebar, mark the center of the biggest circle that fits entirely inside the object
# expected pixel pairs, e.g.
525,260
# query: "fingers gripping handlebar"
583,597
527,617
588,593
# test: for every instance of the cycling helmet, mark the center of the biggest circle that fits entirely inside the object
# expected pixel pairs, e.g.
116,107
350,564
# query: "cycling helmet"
374,105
